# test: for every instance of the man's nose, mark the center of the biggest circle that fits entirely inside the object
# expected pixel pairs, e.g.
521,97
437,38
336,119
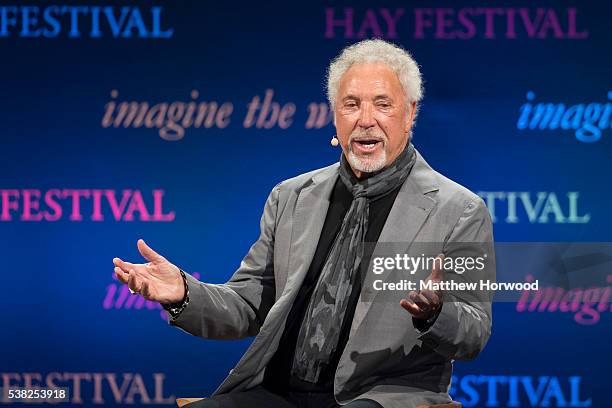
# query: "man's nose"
366,119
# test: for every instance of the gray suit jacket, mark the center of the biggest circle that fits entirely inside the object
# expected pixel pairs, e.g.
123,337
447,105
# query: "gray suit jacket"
385,359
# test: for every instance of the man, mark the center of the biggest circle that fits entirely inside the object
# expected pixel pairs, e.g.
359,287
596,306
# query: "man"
322,339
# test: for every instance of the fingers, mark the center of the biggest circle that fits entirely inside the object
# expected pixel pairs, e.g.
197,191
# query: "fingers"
432,297
134,282
148,253
426,302
145,291
421,304
437,272
411,307
121,275
420,300
125,266
130,274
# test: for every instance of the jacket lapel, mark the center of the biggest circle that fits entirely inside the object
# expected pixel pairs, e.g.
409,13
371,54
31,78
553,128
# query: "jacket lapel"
310,212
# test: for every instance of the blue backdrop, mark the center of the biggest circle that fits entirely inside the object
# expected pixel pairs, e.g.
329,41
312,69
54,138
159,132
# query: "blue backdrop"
127,120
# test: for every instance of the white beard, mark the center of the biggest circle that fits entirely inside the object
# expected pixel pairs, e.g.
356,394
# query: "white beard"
367,164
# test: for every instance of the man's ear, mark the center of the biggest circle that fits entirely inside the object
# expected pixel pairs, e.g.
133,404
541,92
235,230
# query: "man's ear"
410,120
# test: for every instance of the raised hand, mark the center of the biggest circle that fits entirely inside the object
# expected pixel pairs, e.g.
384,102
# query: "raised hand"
157,280
424,304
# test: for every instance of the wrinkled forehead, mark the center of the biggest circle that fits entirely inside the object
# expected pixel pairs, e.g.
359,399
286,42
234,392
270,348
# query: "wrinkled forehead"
370,80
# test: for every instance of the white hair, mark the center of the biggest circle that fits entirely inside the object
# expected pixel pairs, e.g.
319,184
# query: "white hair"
396,58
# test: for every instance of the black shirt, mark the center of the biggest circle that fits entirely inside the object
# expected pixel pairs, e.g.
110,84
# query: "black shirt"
278,372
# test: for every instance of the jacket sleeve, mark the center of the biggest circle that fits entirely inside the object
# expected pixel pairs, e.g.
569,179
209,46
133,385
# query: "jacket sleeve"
237,308
463,325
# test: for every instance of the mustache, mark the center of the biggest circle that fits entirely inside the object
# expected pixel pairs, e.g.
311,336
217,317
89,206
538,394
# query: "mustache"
368,134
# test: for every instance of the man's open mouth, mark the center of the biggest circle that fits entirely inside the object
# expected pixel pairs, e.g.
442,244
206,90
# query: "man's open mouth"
366,144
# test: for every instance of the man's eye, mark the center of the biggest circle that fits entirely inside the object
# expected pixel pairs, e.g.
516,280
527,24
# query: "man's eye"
384,105
350,104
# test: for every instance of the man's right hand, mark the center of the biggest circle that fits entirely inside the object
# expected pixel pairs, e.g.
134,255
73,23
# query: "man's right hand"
157,280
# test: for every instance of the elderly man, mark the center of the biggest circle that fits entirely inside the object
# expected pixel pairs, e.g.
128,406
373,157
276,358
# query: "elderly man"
320,340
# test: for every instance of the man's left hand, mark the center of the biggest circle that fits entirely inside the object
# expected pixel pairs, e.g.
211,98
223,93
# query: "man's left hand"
425,304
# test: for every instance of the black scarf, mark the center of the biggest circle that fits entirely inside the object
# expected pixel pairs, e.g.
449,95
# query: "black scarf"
320,329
